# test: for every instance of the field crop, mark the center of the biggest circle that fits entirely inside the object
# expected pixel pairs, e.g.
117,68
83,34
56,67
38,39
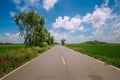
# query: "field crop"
109,53
14,55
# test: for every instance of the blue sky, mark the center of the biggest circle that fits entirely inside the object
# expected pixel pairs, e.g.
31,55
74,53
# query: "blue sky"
75,20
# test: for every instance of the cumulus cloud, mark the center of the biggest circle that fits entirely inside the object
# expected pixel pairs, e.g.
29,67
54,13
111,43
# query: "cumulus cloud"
105,3
11,38
87,18
23,8
17,1
58,36
33,2
48,4
96,35
68,23
69,38
25,5
117,25
99,17
103,25
81,28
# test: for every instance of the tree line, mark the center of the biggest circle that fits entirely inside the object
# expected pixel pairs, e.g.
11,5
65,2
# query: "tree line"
32,28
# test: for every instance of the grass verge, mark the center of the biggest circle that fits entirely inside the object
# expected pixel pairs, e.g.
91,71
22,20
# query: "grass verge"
109,53
15,55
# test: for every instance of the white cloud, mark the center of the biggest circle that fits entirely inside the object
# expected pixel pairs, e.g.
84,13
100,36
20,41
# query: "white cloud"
87,18
48,4
12,13
105,3
25,5
99,17
117,25
81,28
68,23
58,36
103,25
23,8
17,1
69,39
32,3
11,38
99,34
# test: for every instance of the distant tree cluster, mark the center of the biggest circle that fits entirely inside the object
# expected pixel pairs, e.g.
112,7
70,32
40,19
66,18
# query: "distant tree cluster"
63,41
95,42
32,28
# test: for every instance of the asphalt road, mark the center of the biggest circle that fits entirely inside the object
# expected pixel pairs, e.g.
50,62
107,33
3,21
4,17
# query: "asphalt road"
60,63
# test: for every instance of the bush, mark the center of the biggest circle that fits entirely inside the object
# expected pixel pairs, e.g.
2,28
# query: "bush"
44,44
14,55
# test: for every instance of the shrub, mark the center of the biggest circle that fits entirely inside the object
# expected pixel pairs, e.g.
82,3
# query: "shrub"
44,44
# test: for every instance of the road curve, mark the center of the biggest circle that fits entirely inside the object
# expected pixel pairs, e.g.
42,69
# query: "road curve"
60,63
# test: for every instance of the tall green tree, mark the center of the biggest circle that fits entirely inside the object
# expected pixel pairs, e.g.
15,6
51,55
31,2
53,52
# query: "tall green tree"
31,26
52,39
48,38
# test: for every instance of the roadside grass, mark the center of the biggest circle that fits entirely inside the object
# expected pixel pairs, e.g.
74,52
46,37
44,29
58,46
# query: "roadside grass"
15,55
109,53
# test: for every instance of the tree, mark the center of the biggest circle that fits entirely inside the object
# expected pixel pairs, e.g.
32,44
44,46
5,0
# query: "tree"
31,27
50,39
63,41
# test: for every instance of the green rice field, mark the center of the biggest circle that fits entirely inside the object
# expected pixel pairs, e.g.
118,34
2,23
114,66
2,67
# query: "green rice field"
109,53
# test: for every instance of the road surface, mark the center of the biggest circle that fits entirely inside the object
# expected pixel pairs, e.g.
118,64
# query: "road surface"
60,63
